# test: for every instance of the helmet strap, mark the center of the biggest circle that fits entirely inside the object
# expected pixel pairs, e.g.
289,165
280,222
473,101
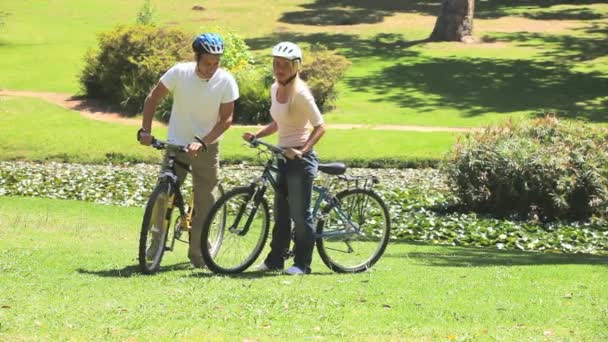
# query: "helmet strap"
288,80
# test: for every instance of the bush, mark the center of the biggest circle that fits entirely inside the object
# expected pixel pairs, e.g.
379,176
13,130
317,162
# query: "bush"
253,105
129,62
322,69
543,169
131,59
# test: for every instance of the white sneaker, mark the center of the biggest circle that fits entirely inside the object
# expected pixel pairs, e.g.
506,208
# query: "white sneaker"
294,270
262,268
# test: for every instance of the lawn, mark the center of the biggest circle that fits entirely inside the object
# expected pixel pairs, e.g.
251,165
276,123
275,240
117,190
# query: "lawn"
528,58
32,129
68,272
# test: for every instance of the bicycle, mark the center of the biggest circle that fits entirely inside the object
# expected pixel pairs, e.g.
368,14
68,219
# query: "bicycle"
156,225
352,227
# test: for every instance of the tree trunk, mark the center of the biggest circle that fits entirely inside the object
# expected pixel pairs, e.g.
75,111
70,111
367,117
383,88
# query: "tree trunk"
455,21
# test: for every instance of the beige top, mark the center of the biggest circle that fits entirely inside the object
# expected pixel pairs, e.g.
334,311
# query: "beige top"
294,125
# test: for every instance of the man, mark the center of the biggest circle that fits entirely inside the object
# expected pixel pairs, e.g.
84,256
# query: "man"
203,103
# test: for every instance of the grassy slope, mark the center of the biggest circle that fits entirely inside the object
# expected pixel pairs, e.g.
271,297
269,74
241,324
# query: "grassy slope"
557,69
77,280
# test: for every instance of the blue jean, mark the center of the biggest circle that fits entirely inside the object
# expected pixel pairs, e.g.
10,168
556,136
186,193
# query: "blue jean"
292,203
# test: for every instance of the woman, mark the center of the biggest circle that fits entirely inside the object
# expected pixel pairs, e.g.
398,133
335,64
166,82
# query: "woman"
293,108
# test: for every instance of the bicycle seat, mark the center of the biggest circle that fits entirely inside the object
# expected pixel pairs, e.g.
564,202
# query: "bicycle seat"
333,168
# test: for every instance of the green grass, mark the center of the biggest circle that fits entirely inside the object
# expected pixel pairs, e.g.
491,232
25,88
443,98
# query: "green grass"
391,81
69,272
32,129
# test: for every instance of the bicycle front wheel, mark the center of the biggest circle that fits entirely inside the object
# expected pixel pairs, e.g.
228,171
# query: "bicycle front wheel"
353,232
242,227
154,229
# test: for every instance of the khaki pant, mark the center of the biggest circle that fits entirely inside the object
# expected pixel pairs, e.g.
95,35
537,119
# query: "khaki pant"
205,169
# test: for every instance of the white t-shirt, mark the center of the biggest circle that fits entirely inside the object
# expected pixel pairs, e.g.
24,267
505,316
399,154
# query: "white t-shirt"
196,102
293,125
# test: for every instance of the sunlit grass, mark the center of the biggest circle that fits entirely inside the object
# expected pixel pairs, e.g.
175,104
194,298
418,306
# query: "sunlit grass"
69,272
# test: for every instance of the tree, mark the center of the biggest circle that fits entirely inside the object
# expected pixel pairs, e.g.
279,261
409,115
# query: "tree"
455,21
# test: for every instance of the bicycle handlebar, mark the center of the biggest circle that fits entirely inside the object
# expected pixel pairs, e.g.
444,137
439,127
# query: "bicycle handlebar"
271,147
162,145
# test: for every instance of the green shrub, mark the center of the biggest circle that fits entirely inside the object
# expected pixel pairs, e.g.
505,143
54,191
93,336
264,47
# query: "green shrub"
145,16
544,169
129,61
322,69
253,105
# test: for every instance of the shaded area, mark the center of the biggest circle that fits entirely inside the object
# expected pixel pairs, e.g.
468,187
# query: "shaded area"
133,270
382,45
591,44
352,12
477,86
472,257
334,17
565,14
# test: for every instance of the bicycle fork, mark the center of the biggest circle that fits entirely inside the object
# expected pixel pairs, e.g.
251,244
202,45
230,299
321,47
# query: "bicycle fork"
255,199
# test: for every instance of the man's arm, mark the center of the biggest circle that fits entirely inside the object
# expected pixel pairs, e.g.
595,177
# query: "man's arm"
226,110
152,100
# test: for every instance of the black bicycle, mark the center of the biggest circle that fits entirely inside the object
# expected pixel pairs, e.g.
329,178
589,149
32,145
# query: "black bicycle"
352,231
156,226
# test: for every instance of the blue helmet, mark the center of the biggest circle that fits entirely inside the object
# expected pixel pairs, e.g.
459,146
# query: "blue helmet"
208,43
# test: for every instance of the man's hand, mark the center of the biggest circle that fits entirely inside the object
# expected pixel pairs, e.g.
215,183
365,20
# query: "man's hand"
144,137
194,148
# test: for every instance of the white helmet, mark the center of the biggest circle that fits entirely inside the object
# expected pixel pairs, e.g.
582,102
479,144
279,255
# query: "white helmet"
287,50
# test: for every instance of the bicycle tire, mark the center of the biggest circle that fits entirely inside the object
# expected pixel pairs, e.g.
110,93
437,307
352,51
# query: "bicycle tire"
356,251
155,229
239,247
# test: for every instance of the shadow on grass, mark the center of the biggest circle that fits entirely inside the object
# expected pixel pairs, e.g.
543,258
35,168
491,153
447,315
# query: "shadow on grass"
383,45
257,274
132,270
478,85
353,12
590,45
477,257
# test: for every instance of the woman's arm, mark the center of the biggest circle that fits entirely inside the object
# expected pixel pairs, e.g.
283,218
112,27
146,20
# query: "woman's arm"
314,137
271,128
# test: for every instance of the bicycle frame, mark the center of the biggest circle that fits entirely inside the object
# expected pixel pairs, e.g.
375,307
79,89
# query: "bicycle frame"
169,177
324,196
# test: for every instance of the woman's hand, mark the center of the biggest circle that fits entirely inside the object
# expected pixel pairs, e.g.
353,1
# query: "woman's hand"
248,136
292,153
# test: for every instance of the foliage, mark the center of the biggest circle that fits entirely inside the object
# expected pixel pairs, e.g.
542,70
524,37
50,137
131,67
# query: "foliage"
543,169
418,200
322,69
237,55
253,106
129,61
145,16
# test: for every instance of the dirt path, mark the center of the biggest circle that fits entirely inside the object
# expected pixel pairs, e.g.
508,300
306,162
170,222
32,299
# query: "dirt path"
97,111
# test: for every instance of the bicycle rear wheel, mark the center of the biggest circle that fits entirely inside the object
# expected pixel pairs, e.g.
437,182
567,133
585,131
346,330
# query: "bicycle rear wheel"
154,229
242,226
357,243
